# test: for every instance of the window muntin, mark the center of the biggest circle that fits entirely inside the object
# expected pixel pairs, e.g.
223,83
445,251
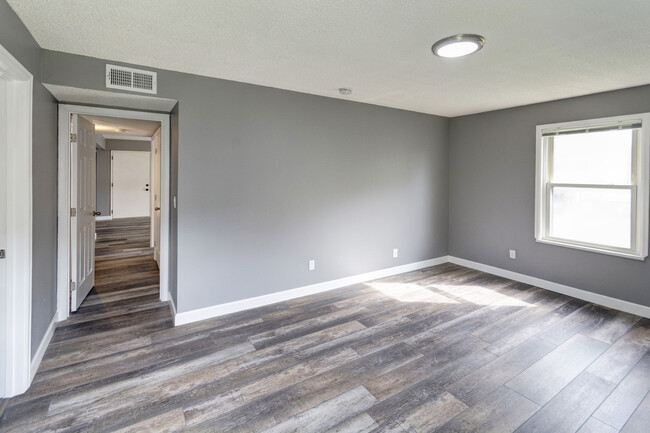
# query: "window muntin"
592,185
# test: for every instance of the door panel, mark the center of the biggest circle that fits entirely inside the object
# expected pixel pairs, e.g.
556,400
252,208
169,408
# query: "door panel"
83,200
3,234
131,184
156,199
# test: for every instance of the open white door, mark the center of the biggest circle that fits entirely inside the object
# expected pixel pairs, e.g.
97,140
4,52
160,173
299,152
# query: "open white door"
82,221
3,238
155,227
130,180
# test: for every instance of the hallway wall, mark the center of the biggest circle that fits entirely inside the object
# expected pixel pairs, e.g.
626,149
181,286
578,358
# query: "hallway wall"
19,42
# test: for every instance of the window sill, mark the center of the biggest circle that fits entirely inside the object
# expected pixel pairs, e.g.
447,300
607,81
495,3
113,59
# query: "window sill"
634,255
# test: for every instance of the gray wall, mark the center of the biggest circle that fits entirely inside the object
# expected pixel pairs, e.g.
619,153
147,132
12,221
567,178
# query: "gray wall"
103,174
268,179
16,39
492,193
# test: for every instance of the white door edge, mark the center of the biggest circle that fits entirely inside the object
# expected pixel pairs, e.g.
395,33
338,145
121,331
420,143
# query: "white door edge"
17,316
63,229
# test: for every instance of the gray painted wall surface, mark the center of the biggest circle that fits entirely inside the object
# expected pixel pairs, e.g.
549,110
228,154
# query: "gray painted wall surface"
104,169
268,179
18,41
134,145
103,176
492,196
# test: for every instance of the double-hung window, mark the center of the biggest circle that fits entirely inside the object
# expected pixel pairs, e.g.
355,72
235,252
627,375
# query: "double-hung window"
592,187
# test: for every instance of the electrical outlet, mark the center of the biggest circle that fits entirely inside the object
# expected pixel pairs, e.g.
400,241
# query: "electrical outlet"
312,265
513,254
395,253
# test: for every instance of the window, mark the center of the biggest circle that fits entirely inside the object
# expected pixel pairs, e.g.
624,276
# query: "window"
592,187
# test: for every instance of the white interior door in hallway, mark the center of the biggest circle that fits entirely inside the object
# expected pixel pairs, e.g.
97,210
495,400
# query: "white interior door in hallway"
131,184
3,234
82,242
155,216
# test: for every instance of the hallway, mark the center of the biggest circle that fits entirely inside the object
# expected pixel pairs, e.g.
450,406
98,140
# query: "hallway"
113,322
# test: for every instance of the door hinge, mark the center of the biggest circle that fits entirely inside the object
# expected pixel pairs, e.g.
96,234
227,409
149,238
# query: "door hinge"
73,286
73,211
73,138
2,254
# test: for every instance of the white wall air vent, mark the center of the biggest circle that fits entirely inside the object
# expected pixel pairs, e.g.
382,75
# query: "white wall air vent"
135,80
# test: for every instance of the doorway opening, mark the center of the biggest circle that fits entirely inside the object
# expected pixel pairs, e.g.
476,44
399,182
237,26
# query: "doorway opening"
115,189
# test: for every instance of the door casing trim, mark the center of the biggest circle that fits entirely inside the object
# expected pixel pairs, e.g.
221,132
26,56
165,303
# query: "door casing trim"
63,229
16,301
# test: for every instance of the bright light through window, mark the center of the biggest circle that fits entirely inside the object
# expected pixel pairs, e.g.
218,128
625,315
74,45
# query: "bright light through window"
592,185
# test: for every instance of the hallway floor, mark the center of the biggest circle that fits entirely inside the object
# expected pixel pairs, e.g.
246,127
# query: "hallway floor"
445,349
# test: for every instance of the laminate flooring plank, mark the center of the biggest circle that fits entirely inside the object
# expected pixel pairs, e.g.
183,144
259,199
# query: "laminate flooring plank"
592,425
452,366
571,407
624,354
572,324
327,414
362,423
501,411
544,379
623,401
423,406
234,395
523,333
485,380
610,326
309,393
170,422
640,419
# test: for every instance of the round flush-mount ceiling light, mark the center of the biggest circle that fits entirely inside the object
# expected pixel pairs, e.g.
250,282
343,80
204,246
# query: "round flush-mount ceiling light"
458,45
345,91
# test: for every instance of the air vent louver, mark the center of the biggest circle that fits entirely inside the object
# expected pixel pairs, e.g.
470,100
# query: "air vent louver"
135,80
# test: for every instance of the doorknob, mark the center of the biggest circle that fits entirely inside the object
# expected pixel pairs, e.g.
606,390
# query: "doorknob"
156,208
96,213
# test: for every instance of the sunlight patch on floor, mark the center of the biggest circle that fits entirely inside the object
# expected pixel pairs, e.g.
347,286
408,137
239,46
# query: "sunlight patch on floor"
411,293
480,295
447,294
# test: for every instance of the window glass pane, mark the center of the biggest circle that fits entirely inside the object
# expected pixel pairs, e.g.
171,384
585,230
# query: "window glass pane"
593,215
593,157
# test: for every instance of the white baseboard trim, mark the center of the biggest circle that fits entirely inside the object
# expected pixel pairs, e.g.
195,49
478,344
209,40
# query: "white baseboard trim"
246,304
38,356
618,304
103,218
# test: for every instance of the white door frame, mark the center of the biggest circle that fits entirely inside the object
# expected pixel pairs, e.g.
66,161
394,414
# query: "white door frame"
63,247
17,301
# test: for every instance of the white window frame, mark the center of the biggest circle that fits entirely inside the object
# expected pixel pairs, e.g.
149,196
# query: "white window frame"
640,187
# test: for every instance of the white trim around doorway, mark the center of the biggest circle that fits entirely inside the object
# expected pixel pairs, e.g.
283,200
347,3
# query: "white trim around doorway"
63,246
16,300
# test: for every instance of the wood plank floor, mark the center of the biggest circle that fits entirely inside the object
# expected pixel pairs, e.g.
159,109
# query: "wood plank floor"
444,349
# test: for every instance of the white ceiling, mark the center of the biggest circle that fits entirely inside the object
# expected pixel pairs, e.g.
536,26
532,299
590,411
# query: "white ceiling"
536,50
